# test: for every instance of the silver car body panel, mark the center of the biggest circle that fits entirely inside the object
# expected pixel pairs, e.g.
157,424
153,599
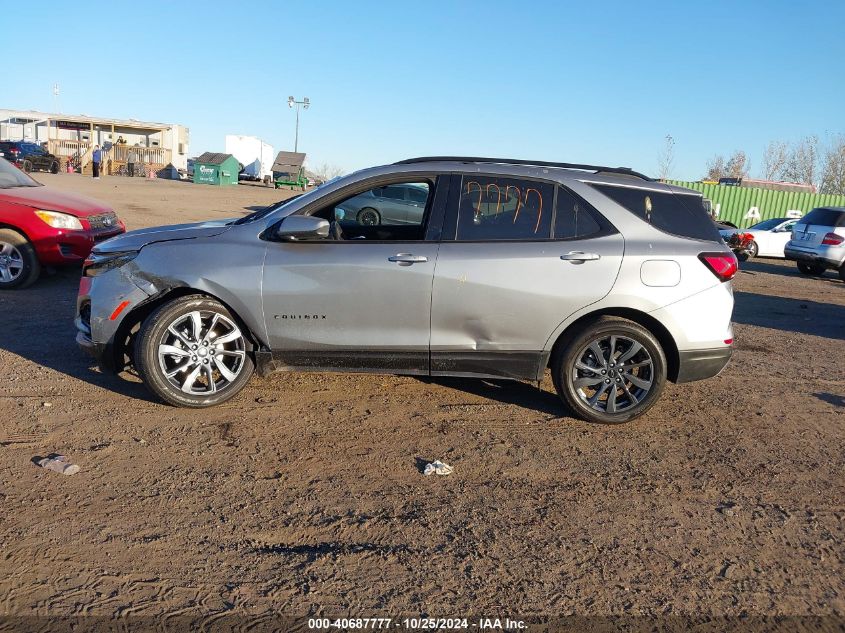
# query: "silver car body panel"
320,304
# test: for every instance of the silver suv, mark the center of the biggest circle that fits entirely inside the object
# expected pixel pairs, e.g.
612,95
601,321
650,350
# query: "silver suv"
818,241
612,280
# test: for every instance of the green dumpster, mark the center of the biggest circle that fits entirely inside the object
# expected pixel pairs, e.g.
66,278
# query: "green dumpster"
216,169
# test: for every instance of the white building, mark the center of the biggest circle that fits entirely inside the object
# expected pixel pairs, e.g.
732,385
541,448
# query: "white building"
73,135
254,154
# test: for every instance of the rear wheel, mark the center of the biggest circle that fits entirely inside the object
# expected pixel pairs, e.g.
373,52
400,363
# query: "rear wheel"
27,166
191,352
54,167
811,269
842,271
611,371
368,217
19,265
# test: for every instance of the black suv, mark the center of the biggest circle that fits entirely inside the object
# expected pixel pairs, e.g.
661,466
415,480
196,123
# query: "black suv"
29,156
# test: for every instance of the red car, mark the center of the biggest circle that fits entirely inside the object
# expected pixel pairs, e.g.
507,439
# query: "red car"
40,226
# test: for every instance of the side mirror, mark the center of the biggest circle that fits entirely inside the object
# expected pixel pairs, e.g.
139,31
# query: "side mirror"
302,227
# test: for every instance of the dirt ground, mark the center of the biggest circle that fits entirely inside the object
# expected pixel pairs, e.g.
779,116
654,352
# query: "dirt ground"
304,494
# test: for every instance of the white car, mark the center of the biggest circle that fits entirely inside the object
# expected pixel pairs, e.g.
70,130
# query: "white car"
770,236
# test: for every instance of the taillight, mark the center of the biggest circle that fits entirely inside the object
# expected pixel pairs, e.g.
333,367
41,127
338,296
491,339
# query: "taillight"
723,265
833,239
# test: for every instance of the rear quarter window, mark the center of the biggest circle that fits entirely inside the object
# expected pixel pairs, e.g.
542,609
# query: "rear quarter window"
684,215
824,217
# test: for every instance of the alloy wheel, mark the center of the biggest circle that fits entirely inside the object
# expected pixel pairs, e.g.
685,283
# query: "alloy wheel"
613,373
11,263
201,352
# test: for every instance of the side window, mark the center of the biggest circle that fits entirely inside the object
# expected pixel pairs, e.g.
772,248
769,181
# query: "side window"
675,213
417,194
574,218
384,206
380,213
497,208
391,192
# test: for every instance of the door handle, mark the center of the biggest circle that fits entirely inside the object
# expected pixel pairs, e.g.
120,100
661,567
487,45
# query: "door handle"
406,259
579,257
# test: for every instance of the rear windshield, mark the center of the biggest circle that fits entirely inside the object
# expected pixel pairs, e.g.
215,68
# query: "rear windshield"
824,217
679,214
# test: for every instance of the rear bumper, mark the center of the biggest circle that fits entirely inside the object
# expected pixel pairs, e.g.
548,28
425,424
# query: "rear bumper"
702,363
824,256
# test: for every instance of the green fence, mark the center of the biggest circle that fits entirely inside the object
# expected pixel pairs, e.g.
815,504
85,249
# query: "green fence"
745,206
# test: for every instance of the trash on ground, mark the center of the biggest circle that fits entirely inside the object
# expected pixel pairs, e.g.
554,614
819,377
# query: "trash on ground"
438,468
59,464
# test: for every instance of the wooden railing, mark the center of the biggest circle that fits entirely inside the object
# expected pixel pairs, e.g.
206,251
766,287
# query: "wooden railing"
147,155
67,148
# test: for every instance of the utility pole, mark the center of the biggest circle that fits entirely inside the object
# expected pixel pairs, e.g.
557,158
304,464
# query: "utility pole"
304,104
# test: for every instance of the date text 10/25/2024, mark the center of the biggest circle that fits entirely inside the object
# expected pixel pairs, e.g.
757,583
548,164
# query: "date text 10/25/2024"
422,624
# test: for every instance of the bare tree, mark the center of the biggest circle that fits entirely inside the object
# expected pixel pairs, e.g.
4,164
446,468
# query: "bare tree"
734,167
802,164
716,168
327,171
833,168
737,165
774,160
666,158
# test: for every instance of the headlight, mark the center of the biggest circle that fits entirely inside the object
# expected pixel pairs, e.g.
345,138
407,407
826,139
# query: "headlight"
98,263
60,220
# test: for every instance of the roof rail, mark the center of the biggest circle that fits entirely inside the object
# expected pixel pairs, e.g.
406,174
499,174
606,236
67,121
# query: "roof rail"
511,161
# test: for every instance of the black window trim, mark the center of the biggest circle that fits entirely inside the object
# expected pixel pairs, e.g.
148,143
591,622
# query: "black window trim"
450,230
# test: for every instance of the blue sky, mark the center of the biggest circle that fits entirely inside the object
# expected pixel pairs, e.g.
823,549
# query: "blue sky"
600,82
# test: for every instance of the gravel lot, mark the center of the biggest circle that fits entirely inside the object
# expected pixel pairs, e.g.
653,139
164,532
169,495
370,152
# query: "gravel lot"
304,494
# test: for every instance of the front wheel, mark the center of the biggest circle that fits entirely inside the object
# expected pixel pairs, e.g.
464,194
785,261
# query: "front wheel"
753,249
810,269
191,352
19,265
611,371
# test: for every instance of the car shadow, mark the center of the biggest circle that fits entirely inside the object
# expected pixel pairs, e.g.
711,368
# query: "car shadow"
831,398
790,315
36,323
512,392
787,269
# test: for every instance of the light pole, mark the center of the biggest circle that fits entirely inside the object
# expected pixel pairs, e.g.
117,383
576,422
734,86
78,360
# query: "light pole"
304,103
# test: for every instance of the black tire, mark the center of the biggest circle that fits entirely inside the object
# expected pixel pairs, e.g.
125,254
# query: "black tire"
811,269
27,166
369,217
154,333
648,361
753,249
20,266
842,271
742,256
54,167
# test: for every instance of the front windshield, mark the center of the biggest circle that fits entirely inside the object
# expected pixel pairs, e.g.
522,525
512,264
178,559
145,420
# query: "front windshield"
766,225
11,176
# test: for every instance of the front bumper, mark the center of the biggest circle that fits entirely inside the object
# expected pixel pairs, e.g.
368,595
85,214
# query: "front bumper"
102,305
57,246
702,363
